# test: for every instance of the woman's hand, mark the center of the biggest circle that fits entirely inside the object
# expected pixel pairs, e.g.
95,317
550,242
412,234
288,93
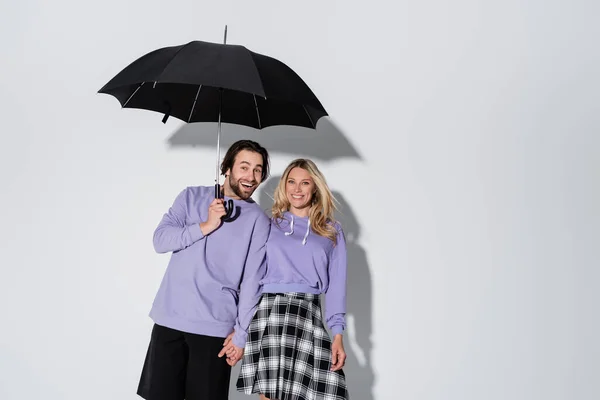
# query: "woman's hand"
338,355
233,353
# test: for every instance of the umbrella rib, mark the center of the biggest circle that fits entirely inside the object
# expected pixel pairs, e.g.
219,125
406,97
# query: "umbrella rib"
133,94
194,105
257,113
308,115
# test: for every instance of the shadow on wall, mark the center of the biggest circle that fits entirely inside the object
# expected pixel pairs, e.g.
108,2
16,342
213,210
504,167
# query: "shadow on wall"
357,339
324,143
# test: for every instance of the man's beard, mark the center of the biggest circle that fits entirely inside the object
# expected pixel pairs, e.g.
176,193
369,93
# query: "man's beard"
235,188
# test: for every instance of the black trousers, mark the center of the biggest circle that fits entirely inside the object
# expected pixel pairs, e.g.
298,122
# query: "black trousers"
182,366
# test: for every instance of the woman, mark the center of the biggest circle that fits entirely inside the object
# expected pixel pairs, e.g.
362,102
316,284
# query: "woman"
289,354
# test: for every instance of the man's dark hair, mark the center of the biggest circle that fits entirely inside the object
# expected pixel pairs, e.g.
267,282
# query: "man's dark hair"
249,145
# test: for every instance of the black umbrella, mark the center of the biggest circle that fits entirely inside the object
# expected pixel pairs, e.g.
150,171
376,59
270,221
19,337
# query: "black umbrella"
210,82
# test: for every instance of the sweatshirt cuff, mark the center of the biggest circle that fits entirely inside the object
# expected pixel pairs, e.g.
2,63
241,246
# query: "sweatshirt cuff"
239,339
337,330
195,232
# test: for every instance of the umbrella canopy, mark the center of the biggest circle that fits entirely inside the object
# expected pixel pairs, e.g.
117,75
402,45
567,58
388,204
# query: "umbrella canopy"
193,82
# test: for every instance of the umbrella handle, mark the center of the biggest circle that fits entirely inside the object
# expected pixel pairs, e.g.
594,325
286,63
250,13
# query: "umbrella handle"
229,206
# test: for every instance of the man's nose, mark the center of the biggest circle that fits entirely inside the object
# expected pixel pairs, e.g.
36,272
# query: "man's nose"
253,177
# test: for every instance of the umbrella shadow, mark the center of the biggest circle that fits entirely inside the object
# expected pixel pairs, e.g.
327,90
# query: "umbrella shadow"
326,142
359,371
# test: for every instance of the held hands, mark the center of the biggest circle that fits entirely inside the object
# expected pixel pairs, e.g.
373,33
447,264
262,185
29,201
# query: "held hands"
338,355
234,353
215,211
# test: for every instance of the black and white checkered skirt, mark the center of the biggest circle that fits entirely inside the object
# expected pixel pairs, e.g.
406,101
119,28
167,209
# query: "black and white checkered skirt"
288,352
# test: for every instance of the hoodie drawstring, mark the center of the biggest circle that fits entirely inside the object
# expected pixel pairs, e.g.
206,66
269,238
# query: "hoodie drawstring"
306,234
291,232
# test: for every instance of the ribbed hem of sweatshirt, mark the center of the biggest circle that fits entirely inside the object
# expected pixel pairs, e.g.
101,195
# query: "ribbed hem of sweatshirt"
239,338
337,330
289,288
195,232
207,328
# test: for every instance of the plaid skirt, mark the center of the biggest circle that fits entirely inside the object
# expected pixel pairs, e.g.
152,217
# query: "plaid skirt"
288,352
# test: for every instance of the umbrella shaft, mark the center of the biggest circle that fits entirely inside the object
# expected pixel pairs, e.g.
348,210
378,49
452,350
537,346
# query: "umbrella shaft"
219,136
219,123
218,148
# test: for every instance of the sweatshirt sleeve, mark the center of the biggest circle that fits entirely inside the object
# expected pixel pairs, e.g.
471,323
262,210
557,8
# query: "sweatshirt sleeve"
335,296
250,287
172,233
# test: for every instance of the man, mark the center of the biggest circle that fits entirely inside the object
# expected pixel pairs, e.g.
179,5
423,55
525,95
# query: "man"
211,286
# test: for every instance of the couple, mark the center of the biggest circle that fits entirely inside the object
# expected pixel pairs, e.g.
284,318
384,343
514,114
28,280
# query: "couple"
249,289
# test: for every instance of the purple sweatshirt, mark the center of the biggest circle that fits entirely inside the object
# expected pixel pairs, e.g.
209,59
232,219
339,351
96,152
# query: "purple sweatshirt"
211,284
299,260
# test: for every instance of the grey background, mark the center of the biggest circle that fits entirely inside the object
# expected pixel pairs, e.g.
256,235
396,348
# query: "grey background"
473,189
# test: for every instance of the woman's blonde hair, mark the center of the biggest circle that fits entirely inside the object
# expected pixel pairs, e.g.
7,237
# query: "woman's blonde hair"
322,207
